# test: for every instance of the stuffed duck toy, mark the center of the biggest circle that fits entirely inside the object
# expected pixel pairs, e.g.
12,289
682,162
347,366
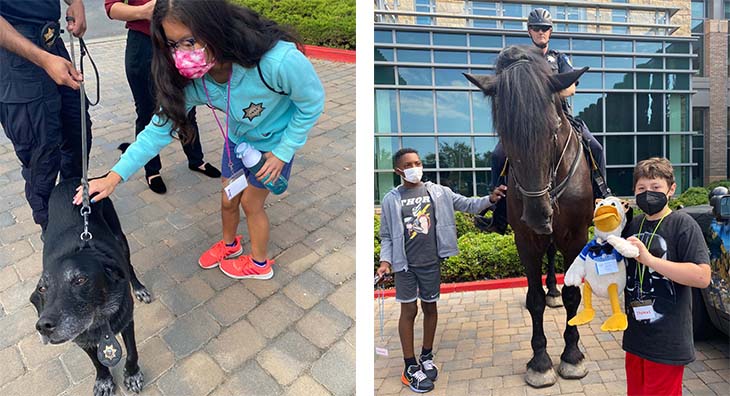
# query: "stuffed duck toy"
602,265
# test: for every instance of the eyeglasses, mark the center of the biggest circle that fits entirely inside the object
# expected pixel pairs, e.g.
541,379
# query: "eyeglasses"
540,28
186,44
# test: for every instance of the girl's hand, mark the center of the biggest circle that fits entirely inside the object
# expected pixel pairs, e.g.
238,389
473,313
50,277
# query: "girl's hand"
272,168
104,187
644,256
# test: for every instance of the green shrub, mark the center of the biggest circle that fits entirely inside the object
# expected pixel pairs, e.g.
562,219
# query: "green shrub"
464,223
329,23
692,196
724,183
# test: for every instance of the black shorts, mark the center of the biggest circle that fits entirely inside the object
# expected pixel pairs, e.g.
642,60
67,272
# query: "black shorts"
418,282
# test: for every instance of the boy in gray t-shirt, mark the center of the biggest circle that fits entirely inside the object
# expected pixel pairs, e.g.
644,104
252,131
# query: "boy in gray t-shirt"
417,231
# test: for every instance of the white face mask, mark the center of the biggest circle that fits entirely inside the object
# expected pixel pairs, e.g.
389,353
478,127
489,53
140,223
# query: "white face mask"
413,175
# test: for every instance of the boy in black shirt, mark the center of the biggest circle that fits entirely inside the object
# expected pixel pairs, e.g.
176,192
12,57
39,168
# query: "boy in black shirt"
672,258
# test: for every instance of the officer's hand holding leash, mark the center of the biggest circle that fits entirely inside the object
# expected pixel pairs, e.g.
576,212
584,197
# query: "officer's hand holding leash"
76,17
61,71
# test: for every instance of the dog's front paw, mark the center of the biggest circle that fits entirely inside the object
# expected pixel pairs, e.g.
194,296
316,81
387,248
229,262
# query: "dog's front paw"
104,386
143,295
134,383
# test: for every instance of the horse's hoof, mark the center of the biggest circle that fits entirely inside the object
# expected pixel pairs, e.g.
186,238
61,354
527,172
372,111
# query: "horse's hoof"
554,302
572,371
540,380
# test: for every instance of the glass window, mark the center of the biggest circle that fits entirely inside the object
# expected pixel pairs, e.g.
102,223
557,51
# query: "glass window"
586,60
619,150
384,75
698,16
459,182
589,108
615,62
619,112
618,15
648,146
424,6
383,36
403,37
649,112
426,147
484,182
586,45
698,62
619,80
512,10
414,75
483,58
677,47
450,57
483,148
652,47
384,54
384,182
416,109
648,63
481,113
620,180
590,81
449,39
450,77
385,147
618,46
478,40
677,112
649,81
678,148
386,118
452,110
519,40
678,63
455,152
677,81
406,55
559,44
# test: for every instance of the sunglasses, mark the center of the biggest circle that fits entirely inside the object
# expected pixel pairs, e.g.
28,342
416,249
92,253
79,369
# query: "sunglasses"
540,28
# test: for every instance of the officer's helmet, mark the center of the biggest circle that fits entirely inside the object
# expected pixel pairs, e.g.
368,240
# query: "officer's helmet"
716,193
539,17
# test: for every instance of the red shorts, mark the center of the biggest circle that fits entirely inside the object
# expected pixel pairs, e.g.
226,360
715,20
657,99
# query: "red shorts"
647,378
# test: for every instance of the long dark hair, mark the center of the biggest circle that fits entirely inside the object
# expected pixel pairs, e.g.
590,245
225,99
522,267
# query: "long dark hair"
231,33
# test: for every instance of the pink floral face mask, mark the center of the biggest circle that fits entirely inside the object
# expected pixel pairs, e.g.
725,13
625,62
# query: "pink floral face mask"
192,64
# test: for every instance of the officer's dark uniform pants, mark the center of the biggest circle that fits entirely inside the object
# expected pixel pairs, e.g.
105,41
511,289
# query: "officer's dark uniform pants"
138,66
43,121
499,158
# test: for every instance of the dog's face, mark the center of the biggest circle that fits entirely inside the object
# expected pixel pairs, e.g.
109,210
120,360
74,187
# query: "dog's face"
72,292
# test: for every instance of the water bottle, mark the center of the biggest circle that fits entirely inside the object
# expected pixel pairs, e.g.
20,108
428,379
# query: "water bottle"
253,160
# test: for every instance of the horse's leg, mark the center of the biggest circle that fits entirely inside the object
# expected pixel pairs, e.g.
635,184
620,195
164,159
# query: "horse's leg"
553,295
540,371
571,360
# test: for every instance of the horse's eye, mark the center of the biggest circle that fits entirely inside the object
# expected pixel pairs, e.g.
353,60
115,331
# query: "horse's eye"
42,289
80,280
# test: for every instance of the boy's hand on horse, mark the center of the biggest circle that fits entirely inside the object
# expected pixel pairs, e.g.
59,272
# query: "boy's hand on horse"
498,193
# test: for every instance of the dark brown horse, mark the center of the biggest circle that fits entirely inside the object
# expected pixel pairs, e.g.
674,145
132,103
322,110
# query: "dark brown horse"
551,200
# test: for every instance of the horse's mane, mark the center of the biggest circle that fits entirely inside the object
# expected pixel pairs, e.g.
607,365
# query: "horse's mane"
521,107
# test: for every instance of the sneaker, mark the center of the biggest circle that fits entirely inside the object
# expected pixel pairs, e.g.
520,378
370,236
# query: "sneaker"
243,267
428,368
416,379
213,256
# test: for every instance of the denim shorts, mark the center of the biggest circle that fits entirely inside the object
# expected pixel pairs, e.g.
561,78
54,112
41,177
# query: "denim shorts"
238,165
418,282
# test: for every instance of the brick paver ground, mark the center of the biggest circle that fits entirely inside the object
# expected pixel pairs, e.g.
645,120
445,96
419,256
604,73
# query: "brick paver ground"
482,345
204,333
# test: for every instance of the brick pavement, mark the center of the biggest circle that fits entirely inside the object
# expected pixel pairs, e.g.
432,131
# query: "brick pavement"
482,345
204,333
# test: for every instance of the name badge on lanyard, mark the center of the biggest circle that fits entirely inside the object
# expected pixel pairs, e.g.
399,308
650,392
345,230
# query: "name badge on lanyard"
606,264
236,184
643,310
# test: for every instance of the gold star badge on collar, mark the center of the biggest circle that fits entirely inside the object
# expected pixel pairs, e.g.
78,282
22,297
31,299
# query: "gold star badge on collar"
253,110
110,352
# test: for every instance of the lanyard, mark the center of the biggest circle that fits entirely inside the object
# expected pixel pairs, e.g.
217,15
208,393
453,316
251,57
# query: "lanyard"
228,108
651,238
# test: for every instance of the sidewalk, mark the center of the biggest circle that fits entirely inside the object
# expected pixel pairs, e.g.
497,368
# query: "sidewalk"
204,333
482,345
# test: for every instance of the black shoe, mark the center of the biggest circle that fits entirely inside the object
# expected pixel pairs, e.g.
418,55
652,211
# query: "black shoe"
156,184
416,379
428,368
208,170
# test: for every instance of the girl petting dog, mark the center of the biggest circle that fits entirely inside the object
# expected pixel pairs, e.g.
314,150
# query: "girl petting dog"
227,57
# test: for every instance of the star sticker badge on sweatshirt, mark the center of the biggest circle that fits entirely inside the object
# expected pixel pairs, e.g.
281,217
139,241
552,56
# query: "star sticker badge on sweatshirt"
253,110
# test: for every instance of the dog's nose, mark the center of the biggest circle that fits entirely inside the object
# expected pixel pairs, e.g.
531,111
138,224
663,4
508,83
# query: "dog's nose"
45,326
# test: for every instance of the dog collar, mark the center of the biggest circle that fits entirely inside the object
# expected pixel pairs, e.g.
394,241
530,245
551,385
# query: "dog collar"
109,352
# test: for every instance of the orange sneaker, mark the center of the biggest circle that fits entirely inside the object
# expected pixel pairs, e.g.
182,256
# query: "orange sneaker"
213,256
243,267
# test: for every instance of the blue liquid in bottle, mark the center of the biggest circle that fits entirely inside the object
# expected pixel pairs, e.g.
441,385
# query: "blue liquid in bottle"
253,160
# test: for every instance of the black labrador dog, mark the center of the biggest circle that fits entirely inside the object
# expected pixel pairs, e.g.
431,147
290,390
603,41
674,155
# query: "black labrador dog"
84,291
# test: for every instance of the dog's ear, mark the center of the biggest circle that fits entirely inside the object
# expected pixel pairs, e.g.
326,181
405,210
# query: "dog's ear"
37,301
